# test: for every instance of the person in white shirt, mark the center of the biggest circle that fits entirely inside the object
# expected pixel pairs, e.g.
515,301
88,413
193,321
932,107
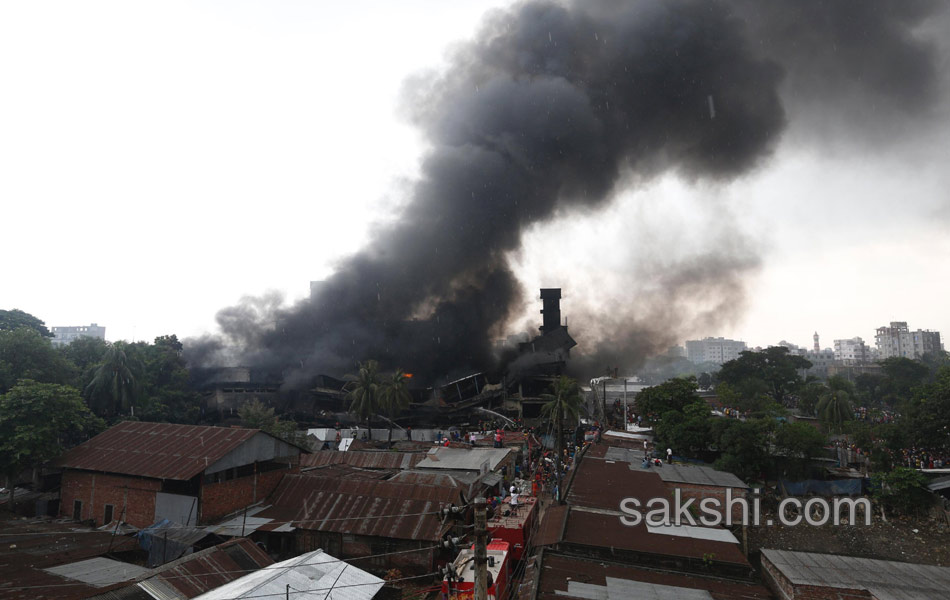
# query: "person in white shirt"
514,500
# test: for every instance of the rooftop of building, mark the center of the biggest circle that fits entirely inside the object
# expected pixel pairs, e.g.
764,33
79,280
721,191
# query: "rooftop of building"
166,450
884,579
464,459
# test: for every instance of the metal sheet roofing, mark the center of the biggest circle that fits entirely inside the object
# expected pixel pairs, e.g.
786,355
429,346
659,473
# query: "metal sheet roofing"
361,507
466,459
884,579
194,574
98,571
157,450
314,574
677,473
563,578
363,459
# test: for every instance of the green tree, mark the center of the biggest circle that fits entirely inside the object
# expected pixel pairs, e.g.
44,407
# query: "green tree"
705,381
37,422
394,397
564,402
834,407
800,443
689,432
26,354
116,384
166,390
903,490
901,376
779,372
11,320
256,415
744,446
926,418
673,395
363,392
809,396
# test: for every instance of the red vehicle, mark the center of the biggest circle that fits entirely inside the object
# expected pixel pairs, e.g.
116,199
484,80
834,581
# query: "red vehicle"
463,588
514,526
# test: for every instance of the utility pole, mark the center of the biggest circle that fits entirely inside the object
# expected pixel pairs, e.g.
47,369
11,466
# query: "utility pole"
481,550
624,402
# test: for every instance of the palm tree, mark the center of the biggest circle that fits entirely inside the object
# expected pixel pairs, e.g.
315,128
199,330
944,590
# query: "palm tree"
363,393
115,384
394,397
564,402
834,407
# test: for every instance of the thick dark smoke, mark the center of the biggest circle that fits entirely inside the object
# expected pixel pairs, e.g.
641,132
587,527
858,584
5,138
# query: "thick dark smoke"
562,104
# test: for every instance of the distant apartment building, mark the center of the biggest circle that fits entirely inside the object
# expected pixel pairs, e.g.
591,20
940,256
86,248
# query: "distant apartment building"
66,335
713,350
852,351
897,340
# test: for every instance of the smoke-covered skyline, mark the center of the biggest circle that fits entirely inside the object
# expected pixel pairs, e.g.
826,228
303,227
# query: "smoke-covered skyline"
646,157
560,105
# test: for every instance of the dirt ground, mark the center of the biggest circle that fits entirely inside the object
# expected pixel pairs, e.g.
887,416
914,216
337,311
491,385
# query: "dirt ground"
919,540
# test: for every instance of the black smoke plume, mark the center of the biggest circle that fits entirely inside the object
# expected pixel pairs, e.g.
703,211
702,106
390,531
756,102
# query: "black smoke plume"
562,104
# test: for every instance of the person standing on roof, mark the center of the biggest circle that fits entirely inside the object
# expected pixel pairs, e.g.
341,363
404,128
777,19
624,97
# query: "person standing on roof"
669,456
514,500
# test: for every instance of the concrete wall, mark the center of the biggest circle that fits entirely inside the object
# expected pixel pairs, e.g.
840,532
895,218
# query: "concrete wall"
135,494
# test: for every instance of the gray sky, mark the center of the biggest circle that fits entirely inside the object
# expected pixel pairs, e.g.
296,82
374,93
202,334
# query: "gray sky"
158,161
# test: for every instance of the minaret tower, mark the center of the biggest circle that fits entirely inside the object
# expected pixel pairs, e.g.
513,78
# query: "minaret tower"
817,345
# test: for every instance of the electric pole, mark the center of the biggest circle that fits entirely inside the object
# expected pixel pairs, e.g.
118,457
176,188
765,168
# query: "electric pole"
481,550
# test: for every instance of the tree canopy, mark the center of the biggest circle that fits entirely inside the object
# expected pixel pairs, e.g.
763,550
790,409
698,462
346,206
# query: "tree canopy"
11,320
672,395
773,371
363,392
26,354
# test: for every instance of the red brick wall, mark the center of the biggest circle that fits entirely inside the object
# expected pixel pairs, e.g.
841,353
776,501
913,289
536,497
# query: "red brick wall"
95,490
221,499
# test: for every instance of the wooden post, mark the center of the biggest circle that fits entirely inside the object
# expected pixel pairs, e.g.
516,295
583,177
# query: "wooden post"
481,550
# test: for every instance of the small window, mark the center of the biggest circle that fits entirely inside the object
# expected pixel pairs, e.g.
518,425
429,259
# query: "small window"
107,518
77,510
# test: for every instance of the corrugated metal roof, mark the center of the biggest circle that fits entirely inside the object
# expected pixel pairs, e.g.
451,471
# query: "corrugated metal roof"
196,573
885,579
314,574
363,459
564,578
157,450
98,571
677,473
361,507
466,459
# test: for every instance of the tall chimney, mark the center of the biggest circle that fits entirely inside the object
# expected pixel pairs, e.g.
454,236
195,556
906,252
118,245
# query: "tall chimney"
551,309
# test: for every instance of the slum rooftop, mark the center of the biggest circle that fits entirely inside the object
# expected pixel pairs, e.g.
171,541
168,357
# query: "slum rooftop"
883,579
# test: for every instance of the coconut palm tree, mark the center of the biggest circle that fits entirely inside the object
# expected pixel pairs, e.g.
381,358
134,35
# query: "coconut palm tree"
394,397
363,392
834,406
116,383
564,402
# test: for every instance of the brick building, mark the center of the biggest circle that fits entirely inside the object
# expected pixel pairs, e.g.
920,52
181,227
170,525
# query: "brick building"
144,472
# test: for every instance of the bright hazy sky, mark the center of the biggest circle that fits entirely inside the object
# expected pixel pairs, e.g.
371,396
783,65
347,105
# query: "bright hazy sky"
160,160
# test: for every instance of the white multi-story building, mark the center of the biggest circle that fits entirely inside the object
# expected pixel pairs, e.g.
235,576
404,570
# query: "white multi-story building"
852,351
713,350
898,340
66,335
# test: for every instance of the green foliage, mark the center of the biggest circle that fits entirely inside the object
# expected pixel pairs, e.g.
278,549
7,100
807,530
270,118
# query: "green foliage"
704,381
903,490
926,418
116,384
834,408
363,392
256,415
40,420
809,396
166,394
744,446
564,402
773,372
689,431
800,443
11,320
26,354
673,395
394,396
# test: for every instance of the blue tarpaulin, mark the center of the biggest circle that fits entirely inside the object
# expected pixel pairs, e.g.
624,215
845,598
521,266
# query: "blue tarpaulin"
815,487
